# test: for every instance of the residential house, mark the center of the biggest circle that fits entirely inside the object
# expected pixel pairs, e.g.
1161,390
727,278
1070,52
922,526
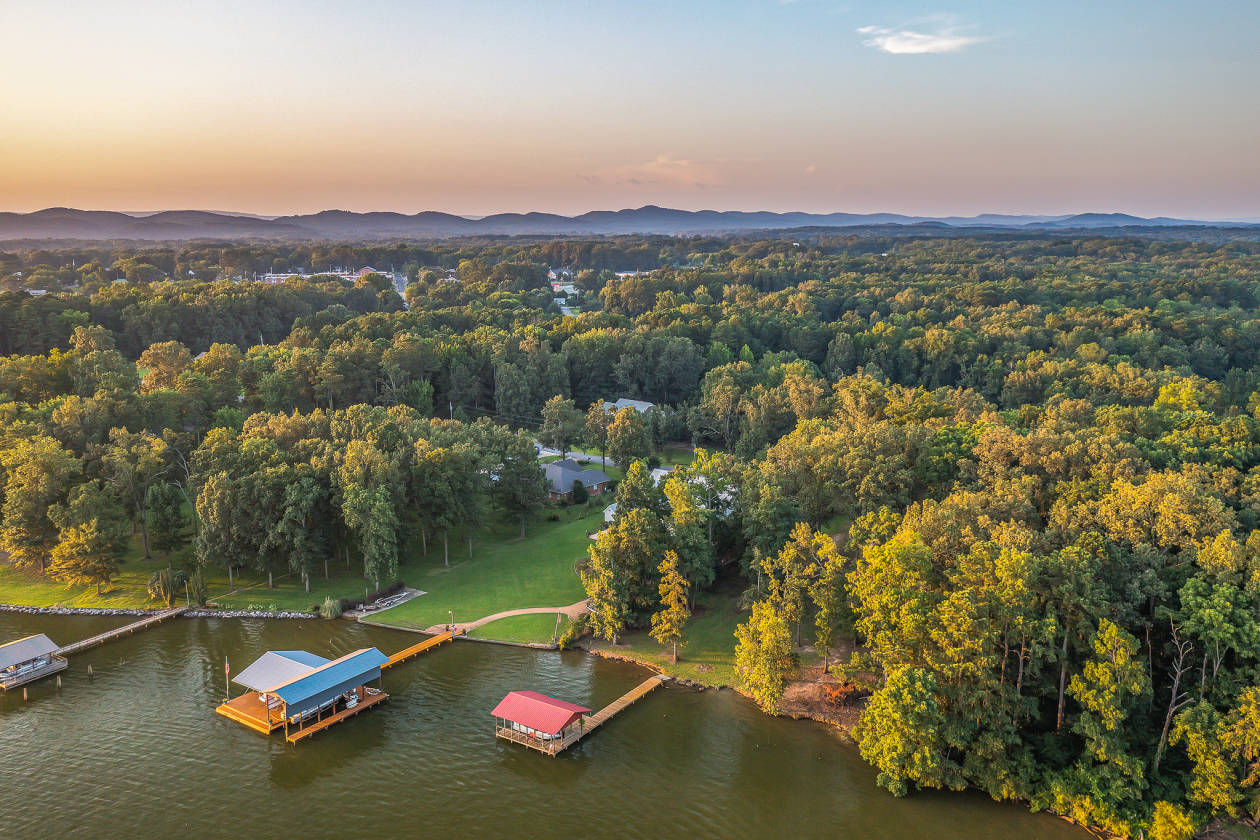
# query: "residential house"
641,406
561,475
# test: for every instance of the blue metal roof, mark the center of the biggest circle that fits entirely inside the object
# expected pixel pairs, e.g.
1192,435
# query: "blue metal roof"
326,682
303,657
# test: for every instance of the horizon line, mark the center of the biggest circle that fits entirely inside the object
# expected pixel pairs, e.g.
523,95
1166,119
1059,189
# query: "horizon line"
139,214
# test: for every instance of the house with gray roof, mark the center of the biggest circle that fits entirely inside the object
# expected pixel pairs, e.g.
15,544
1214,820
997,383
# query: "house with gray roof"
561,475
641,406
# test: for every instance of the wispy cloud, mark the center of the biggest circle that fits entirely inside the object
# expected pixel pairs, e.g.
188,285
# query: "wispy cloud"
940,34
663,170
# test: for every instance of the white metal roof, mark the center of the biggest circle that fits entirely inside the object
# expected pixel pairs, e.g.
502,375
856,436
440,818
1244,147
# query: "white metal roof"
24,650
277,667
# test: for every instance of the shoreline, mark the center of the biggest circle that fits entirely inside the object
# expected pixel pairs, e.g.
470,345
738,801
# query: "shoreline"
200,612
791,710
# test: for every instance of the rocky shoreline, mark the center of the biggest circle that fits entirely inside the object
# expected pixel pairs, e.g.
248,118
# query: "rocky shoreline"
197,613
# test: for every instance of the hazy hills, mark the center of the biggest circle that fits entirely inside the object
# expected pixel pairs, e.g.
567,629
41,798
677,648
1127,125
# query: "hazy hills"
66,223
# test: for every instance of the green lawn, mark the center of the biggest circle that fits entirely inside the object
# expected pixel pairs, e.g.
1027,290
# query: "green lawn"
522,628
504,573
709,654
129,588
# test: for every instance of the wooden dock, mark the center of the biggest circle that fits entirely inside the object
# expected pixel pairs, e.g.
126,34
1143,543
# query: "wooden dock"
55,665
371,699
417,649
249,709
592,722
118,632
557,745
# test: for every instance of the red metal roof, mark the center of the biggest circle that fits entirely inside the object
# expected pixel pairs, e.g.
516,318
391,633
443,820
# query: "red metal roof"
538,711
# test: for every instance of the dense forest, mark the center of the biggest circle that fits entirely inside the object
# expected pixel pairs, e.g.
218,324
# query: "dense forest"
1022,472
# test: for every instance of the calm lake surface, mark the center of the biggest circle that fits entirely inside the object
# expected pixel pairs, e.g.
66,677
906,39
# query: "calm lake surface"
136,750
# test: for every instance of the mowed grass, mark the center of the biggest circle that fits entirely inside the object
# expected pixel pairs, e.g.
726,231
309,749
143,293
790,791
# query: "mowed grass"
130,587
523,628
504,573
128,590
708,657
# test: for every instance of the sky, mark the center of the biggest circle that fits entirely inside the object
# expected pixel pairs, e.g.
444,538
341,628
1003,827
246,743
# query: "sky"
481,106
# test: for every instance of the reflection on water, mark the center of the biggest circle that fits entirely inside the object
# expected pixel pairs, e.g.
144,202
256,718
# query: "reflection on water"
138,750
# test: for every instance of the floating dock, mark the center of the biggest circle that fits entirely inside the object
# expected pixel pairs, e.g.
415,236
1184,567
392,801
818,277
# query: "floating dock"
119,632
417,649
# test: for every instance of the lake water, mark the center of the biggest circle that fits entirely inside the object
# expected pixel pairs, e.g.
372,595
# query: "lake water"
137,750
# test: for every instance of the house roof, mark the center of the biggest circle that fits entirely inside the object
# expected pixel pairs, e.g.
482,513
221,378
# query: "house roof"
331,679
563,473
538,711
641,406
24,650
276,667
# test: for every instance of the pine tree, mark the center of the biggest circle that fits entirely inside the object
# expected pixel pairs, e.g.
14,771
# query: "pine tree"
668,623
85,554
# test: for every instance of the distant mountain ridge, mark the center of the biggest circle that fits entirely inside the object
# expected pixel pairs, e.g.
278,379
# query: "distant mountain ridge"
68,223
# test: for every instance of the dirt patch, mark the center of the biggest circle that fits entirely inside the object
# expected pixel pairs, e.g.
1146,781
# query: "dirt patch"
824,697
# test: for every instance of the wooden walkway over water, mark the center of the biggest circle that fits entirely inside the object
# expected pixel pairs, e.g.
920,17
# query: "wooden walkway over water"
119,632
370,700
417,649
593,722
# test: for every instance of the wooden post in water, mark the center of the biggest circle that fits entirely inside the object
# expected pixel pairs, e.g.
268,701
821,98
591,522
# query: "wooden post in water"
90,674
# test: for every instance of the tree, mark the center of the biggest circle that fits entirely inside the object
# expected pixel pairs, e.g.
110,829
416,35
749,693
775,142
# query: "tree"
448,488
37,473
370,480
606,588
218,539
791,573
1241,736
518,486
86,554
297,534
1214,777
168,522
900,733
763,655
562,424
668,622
688,520
637,490
133,461
595,430
827,593
1170,822
628,438
163,362
618,573
164,585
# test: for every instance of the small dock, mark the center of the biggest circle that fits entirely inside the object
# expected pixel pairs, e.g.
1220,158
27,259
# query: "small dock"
370,698
118,632
593,722
417,649
552,741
